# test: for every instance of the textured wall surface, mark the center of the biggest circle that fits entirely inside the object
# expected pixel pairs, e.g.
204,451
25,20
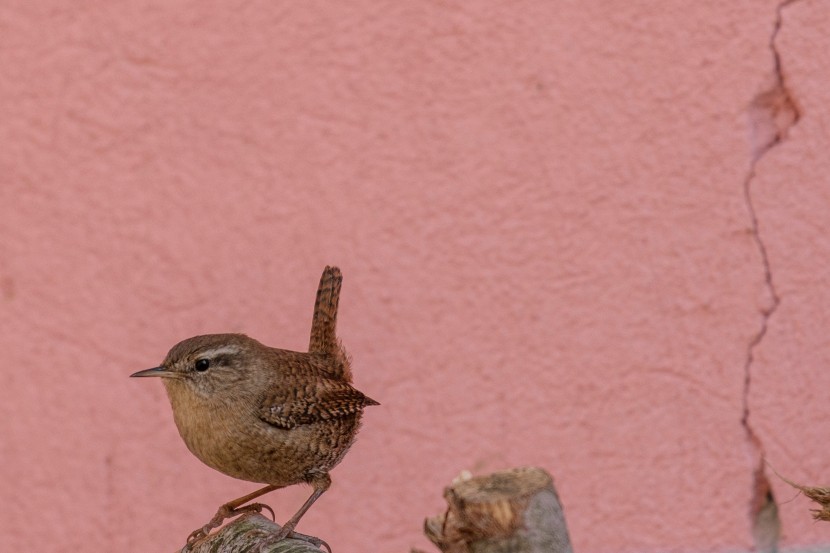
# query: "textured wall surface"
590,236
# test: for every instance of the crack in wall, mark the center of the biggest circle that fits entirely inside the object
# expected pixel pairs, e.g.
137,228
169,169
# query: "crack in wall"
772,113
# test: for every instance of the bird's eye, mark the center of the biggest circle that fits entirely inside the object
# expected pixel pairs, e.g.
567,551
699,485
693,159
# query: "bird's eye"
202,365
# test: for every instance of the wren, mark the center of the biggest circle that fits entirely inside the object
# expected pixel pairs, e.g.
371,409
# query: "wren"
263,414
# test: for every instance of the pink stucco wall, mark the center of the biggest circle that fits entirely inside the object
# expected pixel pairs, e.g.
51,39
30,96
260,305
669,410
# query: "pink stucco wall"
540,211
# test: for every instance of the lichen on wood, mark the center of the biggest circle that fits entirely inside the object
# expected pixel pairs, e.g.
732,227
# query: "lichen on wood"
245,534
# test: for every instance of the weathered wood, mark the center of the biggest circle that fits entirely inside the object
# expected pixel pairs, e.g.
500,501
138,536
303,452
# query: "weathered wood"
244,535
514,511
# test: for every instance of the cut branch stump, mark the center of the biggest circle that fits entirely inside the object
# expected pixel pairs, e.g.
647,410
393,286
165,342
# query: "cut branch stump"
514,511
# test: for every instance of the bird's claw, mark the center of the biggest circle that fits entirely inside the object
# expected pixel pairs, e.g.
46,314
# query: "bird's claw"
225,512
316,542
260,507
199,534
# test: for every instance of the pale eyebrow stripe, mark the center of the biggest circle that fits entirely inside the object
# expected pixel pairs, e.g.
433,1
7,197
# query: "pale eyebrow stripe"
219,351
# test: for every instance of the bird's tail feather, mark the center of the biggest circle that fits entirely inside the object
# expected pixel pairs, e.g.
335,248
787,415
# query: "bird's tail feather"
324,323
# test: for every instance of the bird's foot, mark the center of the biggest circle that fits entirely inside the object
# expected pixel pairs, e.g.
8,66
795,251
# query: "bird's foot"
225,512
288,533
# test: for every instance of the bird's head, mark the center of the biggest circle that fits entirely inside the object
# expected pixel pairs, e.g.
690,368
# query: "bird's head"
213,366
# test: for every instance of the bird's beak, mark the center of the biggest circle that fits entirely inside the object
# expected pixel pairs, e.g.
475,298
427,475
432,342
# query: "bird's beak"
155,371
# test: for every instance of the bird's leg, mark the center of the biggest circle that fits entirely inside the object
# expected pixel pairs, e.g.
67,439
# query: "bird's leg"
320,484
232,509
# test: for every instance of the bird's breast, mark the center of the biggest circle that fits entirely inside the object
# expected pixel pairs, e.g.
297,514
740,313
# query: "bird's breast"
233,439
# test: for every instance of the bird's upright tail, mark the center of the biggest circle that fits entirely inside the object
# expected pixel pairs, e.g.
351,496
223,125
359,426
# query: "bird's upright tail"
324,323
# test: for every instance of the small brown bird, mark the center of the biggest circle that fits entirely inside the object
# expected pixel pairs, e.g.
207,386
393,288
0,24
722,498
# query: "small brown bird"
264,414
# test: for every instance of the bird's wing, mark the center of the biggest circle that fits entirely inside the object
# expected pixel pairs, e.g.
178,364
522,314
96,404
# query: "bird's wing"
329,400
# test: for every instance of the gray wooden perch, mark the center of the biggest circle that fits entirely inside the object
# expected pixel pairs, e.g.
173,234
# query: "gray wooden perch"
514,511
245,534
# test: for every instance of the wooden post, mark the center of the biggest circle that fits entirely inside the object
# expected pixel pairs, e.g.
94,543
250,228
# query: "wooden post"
245,534
514,511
